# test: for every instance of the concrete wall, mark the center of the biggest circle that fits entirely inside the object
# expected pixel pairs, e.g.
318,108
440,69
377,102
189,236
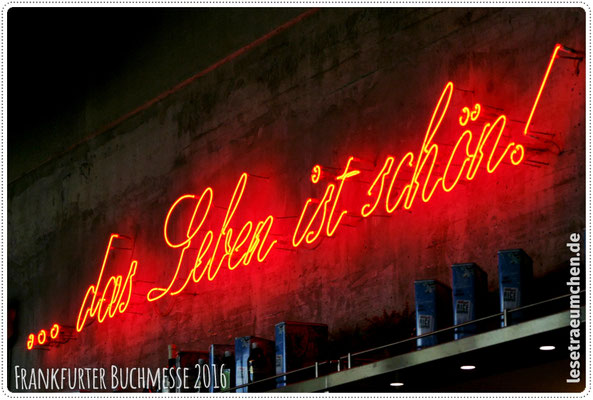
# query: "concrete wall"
77,77
341,82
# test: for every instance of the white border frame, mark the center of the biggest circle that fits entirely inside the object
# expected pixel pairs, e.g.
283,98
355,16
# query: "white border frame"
6,5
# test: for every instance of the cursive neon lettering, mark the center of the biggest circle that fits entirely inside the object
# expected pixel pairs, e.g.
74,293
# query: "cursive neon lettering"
115,302
30,341
41,337
541,87
231,248
429,169
331,229
55,330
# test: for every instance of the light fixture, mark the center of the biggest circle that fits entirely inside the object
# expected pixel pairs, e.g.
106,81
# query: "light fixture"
547,348
467,367
396,384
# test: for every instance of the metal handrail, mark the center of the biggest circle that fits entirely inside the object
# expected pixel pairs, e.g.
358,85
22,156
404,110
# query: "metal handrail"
439,331
545,301
510,310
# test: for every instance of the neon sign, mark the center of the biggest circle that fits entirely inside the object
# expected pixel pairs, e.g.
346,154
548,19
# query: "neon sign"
259,234
227,247
115,297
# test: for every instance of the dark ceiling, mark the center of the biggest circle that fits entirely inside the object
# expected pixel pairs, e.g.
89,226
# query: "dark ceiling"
71,70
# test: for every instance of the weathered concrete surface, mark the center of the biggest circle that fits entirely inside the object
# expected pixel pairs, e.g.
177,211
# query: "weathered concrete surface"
342,82
108,74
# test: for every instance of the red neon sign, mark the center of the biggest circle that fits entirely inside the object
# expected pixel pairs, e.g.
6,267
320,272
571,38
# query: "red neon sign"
54,332
309,234
107,298
424,166
42,338
557,48
31,341
115,295
254,234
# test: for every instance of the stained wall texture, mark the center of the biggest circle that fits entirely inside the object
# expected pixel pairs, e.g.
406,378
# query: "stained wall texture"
341,82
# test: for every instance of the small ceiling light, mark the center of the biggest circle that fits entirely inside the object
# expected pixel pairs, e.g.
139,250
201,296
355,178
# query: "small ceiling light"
396,384
467,367
547,348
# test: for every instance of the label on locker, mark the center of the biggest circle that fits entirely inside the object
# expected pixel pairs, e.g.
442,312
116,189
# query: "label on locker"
511,297
463,311
279,364
426,324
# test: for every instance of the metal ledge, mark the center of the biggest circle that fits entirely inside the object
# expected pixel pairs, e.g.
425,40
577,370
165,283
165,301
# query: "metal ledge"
471,343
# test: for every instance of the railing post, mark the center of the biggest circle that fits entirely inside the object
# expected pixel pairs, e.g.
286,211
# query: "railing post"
339,363
505,318
349,361
316,369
